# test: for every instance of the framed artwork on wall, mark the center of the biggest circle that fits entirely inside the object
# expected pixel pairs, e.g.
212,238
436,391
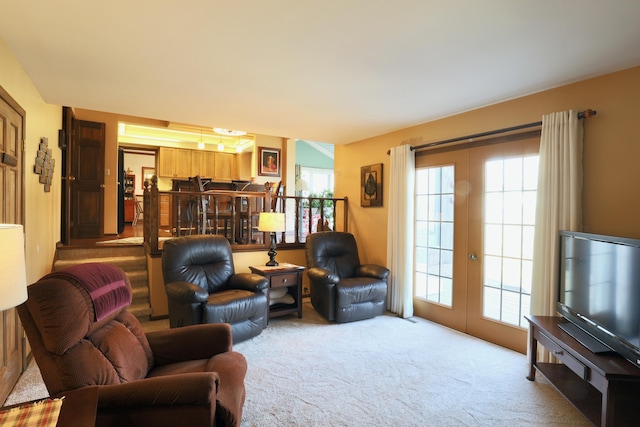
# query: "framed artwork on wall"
371,185
269,161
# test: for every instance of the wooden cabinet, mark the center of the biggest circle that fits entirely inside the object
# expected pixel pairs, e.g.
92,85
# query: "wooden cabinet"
129,210
287,276
166,162
174,162
203,163
184,163
225,167
604,387
208,166
165,210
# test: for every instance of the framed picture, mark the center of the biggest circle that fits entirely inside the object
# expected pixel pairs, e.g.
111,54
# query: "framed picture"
147,174
269,161
371,185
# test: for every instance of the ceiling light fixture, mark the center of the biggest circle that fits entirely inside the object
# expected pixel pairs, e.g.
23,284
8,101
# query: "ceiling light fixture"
229,132
201,142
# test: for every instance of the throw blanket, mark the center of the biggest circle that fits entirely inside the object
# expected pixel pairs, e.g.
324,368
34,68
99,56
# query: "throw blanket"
104,283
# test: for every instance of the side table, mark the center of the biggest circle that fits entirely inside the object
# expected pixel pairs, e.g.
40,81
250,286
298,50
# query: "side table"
284,275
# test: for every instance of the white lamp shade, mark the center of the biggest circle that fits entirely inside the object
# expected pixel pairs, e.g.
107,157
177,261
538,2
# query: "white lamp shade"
13,275
271,222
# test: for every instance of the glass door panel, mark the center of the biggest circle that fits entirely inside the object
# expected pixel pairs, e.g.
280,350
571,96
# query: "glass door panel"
440,238
501,226
475,212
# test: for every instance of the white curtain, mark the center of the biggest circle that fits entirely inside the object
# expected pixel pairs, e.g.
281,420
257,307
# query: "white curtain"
400,231
559,203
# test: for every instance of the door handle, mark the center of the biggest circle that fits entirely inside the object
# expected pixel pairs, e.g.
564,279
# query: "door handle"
473,256
71,178
102,185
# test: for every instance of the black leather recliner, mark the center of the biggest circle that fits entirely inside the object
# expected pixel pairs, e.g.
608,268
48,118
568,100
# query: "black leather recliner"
202,286
342,289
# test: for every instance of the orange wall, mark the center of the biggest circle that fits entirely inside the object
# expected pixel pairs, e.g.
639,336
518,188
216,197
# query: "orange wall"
611,154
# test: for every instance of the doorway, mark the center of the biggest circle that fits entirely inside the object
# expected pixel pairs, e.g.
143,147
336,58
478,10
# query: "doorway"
475,211
12,116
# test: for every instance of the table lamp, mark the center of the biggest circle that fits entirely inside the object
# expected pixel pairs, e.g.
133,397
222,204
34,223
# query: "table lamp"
13,275
271,222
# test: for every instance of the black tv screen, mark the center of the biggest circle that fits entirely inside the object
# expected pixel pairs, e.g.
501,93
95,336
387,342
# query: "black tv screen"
599,289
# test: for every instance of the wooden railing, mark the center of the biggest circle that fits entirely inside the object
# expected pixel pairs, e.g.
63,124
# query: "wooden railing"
234,214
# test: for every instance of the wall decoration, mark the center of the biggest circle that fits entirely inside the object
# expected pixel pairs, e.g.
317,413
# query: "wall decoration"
269,161
147,174
44,164
371,185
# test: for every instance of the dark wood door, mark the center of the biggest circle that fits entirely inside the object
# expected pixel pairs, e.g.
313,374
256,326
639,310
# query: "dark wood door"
11,212
87,180
66,138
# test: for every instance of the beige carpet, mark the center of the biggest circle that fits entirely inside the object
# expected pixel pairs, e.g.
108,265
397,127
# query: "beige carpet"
128,241
383,371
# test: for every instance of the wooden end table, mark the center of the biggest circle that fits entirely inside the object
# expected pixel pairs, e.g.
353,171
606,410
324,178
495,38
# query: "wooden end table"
284,275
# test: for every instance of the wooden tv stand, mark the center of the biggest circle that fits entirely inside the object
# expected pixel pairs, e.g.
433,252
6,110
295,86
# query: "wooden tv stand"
605,388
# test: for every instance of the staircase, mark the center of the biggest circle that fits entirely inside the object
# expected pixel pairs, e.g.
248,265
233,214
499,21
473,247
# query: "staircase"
132,259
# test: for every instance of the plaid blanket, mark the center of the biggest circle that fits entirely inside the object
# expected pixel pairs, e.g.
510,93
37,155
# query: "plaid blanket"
43,413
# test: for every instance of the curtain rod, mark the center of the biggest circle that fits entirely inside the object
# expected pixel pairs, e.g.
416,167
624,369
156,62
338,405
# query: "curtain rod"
581,115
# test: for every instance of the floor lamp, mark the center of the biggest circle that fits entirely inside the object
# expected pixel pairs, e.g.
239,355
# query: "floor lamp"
13,276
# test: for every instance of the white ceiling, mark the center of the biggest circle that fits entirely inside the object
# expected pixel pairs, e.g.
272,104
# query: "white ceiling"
331,70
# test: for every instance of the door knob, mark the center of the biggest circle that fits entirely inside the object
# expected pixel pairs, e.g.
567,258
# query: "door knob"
473,257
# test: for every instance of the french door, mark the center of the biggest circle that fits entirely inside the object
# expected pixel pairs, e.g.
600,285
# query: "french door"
475,211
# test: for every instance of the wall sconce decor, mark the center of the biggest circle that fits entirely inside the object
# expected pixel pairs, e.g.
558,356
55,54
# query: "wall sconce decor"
44,164
371,185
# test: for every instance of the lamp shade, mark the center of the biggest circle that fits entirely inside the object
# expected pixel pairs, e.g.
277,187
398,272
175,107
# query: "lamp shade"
13,275
271,222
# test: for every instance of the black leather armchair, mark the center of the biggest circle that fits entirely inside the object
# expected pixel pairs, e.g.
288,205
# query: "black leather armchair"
202,286
342,289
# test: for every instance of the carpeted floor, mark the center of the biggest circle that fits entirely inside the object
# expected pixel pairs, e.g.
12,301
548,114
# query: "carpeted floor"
383,371
127,241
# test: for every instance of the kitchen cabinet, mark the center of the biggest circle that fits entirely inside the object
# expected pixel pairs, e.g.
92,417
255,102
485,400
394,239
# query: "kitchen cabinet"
185,163
225,168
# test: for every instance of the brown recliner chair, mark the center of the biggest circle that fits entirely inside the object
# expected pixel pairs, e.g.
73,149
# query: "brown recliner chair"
203,287
342,289
82,335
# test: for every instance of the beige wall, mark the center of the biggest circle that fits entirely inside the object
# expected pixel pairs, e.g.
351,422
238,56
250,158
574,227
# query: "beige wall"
42,210
611,153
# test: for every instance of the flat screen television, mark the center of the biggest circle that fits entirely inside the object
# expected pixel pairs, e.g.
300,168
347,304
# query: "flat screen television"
599,292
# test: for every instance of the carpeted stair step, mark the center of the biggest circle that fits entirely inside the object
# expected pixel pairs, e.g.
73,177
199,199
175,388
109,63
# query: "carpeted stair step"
105,251
126,263
132,259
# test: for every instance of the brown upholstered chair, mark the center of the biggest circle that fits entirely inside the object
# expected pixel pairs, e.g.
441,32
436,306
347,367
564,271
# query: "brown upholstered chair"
342,289
82,335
